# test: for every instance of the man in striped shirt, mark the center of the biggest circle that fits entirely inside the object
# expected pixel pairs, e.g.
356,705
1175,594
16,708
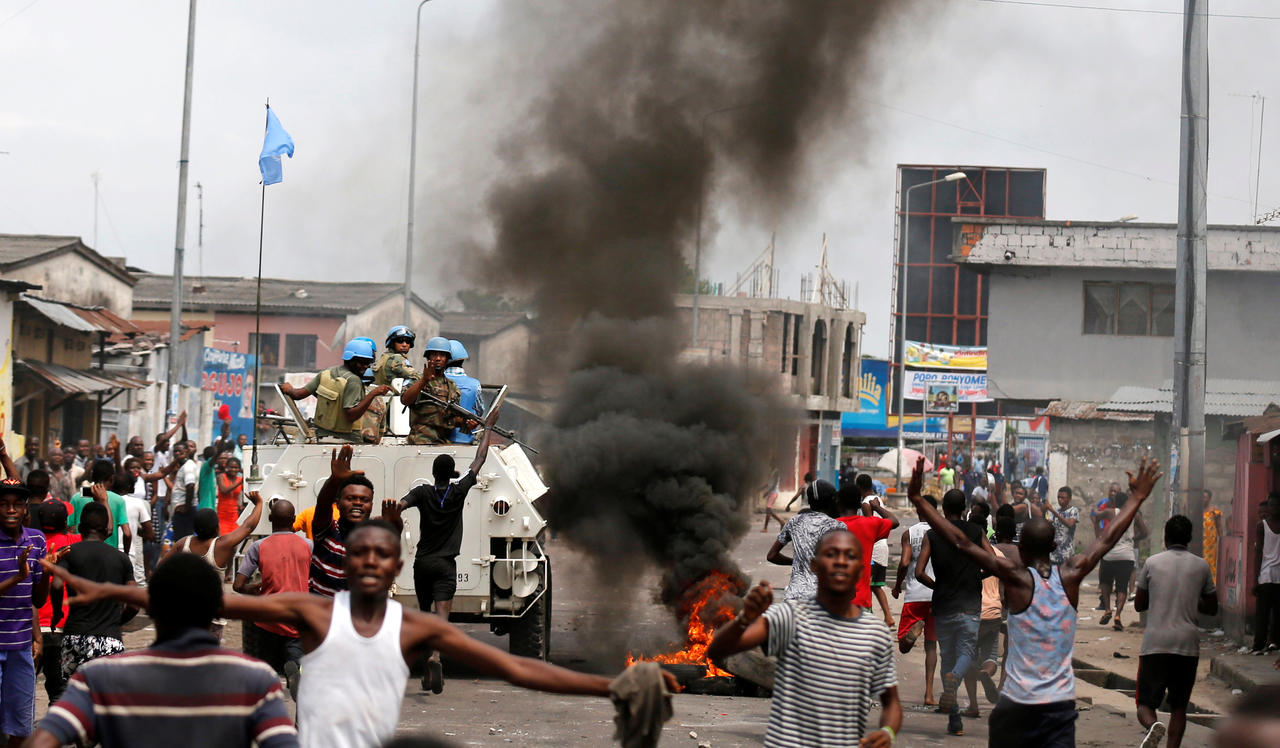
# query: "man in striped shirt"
20,549
833,655
184,688
352,493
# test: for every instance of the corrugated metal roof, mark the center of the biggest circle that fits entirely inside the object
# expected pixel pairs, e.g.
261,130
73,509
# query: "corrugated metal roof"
1226,397
73,381
279,295
1087,410
82,319
60,314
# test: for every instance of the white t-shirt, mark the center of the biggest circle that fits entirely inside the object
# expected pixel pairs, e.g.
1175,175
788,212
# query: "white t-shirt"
979,493
914,591
162,461
187,474
879,551
138,511
1123,549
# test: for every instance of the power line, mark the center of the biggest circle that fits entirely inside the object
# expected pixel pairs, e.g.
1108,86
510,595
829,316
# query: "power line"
1148,11
1038,149
25,8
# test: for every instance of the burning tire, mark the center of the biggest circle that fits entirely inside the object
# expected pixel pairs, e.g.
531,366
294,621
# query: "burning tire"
531,633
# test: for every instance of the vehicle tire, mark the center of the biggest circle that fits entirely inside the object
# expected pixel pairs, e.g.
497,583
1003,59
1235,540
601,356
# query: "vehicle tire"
531,633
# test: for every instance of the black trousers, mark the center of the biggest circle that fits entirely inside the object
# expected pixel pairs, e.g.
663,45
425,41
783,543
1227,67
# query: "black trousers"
1266,616
51,665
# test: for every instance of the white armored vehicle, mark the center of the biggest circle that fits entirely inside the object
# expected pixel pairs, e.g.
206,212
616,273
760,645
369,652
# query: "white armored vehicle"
504,575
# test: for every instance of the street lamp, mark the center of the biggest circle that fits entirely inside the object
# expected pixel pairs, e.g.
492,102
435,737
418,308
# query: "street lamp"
413,162
954,176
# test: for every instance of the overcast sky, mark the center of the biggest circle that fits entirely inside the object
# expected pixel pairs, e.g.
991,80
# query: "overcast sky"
1092,96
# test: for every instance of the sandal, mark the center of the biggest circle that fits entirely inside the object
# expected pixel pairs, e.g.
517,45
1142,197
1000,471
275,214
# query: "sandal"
1106,618
1117,625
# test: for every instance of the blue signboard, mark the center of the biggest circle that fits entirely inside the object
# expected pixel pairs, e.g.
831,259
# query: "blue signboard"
229,376
873,421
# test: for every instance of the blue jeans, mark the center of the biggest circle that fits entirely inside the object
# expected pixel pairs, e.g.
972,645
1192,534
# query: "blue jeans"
957,644
17,691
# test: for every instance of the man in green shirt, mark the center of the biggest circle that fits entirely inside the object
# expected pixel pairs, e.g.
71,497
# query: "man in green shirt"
395,362
100,476
340,396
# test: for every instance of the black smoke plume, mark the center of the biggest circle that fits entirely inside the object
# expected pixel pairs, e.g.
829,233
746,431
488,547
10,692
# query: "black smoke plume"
597,215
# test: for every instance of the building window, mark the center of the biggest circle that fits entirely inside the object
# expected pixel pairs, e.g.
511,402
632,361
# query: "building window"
300,352
270,350
1128,309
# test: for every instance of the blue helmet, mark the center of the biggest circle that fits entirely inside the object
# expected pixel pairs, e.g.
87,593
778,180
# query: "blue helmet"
359,348
457,351
401,331
440,345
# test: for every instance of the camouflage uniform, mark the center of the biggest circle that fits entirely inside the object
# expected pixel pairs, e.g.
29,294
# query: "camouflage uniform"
392,366
430,423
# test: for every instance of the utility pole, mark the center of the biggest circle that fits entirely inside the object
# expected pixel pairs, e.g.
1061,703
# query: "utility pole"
1186,467
94,177
179,242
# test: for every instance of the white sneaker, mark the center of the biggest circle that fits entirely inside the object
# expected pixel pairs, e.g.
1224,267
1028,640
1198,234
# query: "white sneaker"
1155,736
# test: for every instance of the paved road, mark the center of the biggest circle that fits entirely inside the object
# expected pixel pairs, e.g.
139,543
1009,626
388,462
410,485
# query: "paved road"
601,611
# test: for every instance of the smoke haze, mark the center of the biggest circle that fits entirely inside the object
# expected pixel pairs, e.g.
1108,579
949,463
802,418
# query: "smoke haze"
595,221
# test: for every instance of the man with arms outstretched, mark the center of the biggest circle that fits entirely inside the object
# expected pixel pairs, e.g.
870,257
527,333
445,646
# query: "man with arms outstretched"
360,642
1037,704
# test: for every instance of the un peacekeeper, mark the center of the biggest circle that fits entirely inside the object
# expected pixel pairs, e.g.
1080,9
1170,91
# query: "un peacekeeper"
468,386
395,362
340,395
431,423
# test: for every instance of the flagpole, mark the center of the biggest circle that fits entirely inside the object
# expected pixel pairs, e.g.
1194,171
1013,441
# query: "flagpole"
254,475
179,243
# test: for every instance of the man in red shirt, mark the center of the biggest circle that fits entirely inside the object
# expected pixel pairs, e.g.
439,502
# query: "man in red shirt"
284,558
51,519
868,530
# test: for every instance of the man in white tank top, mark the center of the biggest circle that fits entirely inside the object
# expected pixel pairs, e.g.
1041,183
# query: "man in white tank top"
1266,626
358,645
1037,704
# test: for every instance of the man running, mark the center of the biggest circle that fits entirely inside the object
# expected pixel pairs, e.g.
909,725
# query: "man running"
917,606
802,532
1037,705
360,642
868,531
956,582
833,657
873,503
435,568
1175,585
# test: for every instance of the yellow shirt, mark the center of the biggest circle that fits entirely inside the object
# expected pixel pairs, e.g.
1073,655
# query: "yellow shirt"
303,520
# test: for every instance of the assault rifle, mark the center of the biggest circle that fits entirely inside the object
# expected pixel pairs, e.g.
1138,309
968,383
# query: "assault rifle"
462,412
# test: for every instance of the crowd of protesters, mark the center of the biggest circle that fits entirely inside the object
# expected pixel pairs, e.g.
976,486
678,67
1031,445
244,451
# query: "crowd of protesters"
92,536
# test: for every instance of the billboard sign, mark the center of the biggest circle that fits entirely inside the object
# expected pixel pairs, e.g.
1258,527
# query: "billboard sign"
933,356
229,376
967,388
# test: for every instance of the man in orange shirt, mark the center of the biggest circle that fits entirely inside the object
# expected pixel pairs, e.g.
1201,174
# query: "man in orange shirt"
302,523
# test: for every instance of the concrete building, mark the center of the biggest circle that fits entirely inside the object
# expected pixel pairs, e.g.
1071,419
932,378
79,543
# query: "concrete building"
810,351
1081,324
68,270
305,324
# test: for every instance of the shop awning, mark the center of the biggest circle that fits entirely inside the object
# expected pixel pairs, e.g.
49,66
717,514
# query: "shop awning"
78,381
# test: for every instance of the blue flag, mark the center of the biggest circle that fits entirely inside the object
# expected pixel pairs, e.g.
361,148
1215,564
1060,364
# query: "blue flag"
276,144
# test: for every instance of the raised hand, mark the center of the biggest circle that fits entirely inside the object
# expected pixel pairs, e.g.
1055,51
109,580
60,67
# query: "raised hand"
99,493
23,569
391,512
1140,486
340,464
757,602
917,478
255,497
